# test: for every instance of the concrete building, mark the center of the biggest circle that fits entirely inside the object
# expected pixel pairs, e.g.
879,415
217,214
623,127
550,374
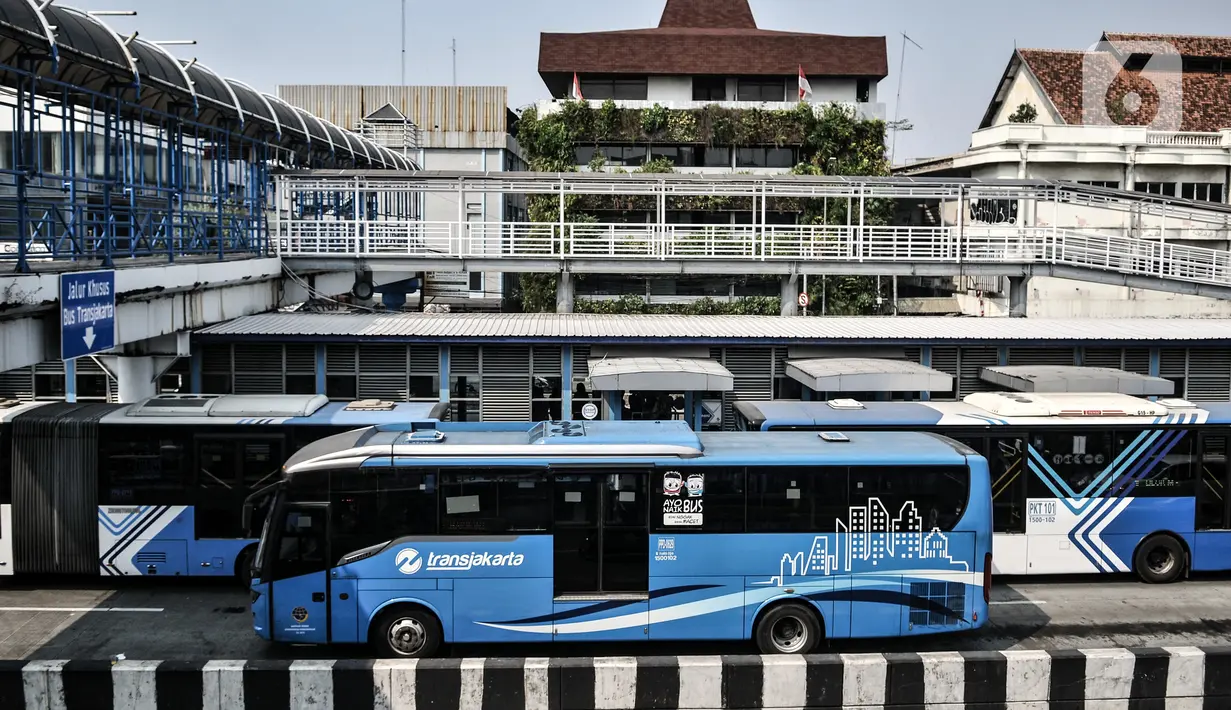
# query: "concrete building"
447,128
703,54
1162,127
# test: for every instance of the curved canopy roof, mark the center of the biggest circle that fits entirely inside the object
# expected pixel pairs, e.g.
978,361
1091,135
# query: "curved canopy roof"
75,47
1073,378
859,374
660,374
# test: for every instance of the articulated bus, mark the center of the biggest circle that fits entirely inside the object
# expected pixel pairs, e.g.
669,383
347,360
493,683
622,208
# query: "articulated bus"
410,537
158,487
1081,483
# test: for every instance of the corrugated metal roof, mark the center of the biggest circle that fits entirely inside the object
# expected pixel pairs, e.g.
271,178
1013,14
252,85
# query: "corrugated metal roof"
446,109
767,329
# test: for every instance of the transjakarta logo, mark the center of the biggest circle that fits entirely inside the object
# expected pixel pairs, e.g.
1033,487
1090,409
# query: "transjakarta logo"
409,561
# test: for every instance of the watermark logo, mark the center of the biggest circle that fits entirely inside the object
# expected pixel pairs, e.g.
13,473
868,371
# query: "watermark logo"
1133,82
409,561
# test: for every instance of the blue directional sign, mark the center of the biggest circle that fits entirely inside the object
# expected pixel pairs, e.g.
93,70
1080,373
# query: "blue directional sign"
87,313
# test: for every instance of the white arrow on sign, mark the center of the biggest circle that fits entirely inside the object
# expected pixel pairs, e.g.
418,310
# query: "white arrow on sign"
89,337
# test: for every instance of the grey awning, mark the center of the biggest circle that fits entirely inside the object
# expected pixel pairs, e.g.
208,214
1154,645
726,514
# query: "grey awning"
1071,378
859,374
660,374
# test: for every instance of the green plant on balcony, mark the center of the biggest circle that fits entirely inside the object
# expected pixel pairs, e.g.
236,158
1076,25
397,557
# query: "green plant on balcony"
832,141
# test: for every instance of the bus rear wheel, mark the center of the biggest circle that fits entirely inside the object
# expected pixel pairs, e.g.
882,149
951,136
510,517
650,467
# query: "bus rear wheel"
1159,560
788,629
406,632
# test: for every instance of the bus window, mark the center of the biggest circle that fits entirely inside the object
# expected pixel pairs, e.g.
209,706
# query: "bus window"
722,496
786,499
937,495
373,506
1212,487
1006,460
302,543
477,501
1172,475
137,467
1072,462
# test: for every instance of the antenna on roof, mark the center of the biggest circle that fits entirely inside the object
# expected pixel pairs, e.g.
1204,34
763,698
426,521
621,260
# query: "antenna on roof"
455,61
897,106
403,42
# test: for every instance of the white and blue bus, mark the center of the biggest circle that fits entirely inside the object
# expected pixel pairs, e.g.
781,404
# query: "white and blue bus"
410,537
1082,483
157,487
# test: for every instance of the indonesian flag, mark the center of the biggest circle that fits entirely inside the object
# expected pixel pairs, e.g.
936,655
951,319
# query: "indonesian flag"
805,87
575,94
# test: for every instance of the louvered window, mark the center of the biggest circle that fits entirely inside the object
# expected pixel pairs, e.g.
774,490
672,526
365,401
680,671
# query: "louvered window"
505,395
971,364
581,391
1104,357
1209,375
1040,356
341,371
216,369
752,370
17,384
944,359
258,368
546,383
464,384
1173,365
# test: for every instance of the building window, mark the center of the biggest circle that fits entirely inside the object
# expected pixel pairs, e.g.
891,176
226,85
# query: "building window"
545,384
622,89
476,281
717,157
1109,184
765,157
761,89
1166,189
709,88
1206,191
863,91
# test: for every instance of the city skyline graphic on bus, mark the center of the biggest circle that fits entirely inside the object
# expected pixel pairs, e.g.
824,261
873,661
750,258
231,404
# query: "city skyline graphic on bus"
870,537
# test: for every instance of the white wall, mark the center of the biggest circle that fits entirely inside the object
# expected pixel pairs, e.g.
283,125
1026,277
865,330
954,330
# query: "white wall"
669,88
1024,89
1062,298
440,207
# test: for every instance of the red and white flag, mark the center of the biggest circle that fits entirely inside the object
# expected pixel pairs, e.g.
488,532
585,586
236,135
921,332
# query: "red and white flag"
575,94
805,87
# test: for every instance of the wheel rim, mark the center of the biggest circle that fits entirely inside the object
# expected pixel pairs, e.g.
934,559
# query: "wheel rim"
788,635
1160,561
407,637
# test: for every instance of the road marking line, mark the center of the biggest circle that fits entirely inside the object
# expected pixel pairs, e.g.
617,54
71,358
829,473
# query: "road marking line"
1018,602
80,610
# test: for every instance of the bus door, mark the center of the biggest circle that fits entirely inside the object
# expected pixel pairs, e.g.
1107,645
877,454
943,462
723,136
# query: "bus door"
601,553
1213,545
299,565
1007,463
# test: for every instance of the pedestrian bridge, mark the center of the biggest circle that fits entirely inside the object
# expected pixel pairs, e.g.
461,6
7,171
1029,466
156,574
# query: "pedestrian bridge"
992,228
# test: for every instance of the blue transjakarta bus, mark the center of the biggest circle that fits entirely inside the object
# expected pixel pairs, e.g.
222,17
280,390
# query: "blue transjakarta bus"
157,487
1081,483
408,537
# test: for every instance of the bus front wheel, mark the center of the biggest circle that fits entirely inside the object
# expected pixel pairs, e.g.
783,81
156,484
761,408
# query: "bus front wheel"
406,632
1159,560
788,628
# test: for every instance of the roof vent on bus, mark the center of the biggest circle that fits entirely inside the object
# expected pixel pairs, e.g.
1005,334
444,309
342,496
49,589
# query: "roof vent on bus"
834,436
423,436
846,404
1177,403
370,405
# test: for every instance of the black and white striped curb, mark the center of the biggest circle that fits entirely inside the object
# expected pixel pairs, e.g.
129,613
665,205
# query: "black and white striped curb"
1186,678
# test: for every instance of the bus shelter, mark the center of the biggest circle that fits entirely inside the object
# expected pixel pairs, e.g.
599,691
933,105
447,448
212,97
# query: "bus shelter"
649,387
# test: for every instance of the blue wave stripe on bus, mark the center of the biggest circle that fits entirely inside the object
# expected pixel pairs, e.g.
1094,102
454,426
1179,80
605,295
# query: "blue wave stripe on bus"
1101,482
885,596
115,528
601,607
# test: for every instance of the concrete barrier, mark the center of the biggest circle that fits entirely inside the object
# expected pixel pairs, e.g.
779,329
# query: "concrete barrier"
1136,679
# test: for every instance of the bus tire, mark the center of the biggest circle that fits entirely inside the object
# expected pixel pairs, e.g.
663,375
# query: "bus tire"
1159,560
788,628
406,631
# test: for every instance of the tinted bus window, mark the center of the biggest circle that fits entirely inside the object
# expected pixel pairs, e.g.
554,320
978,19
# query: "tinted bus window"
1075,458
896,498
1168,467
795,499
373,506
144,467
718,491
477,501
1006,460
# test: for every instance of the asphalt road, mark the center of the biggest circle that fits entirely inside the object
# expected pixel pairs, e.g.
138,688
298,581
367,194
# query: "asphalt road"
169,621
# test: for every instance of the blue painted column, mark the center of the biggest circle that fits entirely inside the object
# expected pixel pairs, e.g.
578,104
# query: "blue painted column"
689,414
444,373
614,404
194,371
566,380
320,369
1002,355
1155,360
70,381
925,359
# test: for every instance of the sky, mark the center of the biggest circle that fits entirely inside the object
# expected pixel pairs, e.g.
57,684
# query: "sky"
945,88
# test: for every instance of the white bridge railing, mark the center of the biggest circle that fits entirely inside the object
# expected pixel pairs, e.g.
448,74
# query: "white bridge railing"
972,244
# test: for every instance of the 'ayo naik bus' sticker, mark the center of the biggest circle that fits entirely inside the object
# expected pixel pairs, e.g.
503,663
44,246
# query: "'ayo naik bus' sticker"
683,511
